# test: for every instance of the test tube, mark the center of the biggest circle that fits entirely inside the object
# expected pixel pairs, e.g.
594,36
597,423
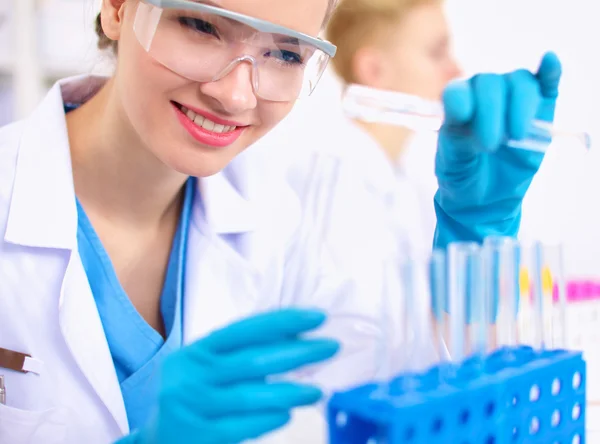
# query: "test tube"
394,343
420,351
439,302
542,265
418,114
416,279
502,288
525,308
477,304
463,267
537,295
551,295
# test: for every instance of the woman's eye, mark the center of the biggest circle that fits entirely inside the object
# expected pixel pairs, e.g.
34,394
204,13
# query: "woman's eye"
289,57
198,25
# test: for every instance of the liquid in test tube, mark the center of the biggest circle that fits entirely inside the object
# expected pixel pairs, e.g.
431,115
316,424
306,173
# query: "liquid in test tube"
502,282
439,300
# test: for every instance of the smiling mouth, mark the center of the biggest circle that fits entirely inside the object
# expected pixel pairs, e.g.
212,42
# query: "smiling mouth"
204,122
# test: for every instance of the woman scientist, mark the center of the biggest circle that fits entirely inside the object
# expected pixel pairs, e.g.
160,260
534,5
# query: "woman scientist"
113,254
399,46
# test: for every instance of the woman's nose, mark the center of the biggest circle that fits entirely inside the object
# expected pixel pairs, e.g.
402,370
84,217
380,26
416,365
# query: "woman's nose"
234,91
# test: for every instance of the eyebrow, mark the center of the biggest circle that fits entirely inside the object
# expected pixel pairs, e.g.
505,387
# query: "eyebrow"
288,40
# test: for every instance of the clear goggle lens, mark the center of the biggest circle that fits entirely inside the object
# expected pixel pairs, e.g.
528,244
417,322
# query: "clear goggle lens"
204,46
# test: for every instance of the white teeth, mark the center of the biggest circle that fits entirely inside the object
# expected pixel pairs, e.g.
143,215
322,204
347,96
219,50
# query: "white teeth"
206,123
198,120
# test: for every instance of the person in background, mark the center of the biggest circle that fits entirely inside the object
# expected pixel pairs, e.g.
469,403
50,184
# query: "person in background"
403,46
403,181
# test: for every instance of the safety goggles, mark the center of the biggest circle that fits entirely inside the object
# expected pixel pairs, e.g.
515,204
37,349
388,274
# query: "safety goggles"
204,43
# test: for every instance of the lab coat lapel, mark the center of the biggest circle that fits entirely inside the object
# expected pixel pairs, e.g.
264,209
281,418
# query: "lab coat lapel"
242,222
222,283
220,287
46,217
83,332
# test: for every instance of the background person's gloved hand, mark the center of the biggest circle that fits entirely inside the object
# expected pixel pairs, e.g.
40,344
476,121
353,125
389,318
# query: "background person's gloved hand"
482,182
215,391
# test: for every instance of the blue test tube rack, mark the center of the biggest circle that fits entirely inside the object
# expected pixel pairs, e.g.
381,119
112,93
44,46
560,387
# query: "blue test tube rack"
516,395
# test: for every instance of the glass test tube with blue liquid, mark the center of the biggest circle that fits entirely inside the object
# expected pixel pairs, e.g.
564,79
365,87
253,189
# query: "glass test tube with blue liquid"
502,289
468,326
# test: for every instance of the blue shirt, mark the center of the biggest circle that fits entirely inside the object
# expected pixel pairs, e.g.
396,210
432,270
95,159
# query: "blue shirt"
136,348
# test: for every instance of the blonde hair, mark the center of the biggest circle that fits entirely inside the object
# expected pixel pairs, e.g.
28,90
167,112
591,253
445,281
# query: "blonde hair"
106,43
358,23
331,7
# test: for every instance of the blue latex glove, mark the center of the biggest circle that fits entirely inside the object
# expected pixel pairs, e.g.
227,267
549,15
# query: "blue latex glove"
215,390
481,181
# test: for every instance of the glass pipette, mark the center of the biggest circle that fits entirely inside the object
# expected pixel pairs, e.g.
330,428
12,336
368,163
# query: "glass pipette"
395,108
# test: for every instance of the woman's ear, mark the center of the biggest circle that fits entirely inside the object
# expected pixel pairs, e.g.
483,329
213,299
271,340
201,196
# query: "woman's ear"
112,18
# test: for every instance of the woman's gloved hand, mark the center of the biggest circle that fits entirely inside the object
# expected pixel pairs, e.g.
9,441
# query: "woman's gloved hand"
215,391
481,181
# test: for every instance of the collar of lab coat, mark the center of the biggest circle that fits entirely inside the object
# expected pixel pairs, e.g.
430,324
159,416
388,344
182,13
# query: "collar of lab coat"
228,209
43,210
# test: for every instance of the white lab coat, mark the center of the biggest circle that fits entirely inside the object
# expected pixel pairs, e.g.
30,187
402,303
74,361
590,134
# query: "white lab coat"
403,192
244,222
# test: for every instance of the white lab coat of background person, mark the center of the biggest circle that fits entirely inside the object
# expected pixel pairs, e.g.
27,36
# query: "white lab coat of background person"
244,224
404,189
